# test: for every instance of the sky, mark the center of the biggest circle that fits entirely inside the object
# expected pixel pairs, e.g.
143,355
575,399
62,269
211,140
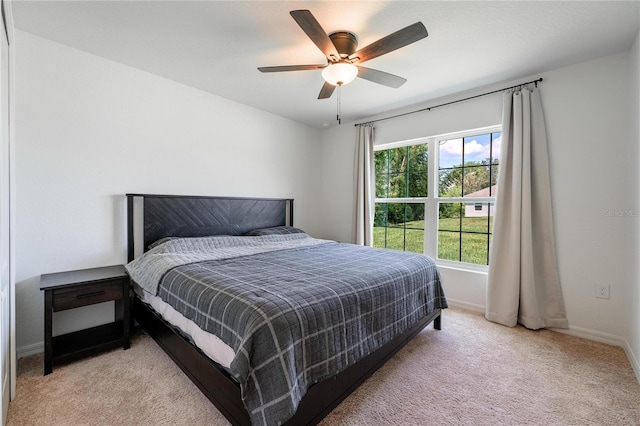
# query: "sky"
476,148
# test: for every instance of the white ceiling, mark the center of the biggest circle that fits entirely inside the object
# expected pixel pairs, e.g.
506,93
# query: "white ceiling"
217,46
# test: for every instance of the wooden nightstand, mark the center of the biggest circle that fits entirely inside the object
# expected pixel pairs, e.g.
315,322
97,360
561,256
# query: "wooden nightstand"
73,289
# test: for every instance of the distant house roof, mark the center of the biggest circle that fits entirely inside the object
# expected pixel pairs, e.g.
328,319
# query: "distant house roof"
484,192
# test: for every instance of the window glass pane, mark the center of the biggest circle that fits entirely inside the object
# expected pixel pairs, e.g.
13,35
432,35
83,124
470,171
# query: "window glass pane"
494,180
399,226
397,185
415,215
469,166
449,245
476,149
449,217
450,153
450,168
396,231
475,248
380,215
397,169
395,238
417,184
463,232
380,226
381,158
419,158
382,185
382,173
402,172
397,160
475,220
415,240
491,209
414,237
476,181
395,213
496,139
450,184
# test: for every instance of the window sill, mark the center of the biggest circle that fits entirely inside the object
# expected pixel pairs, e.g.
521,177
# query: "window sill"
463,267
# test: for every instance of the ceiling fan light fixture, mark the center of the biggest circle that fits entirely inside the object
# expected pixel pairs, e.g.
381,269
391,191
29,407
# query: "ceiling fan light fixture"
339,74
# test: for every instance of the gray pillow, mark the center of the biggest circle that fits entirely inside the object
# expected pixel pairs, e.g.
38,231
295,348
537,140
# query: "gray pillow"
276,230
160,241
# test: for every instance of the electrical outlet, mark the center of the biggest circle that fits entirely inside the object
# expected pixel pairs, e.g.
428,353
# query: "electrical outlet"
602,291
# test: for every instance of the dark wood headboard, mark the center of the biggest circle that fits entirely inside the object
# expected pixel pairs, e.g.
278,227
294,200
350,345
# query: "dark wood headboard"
197,216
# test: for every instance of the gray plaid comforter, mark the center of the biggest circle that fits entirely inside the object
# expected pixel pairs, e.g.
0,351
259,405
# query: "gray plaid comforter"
299,315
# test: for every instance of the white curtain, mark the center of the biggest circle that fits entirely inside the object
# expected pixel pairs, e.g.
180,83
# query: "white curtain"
365,186
523,283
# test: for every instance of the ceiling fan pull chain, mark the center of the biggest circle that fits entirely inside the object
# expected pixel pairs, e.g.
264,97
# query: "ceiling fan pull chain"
339,103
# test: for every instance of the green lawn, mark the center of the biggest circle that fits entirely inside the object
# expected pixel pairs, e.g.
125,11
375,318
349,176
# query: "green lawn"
474,246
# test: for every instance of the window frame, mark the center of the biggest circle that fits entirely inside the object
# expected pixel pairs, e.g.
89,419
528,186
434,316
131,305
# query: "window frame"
432,200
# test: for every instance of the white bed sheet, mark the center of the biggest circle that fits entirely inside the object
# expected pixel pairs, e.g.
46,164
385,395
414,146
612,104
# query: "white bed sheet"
208,343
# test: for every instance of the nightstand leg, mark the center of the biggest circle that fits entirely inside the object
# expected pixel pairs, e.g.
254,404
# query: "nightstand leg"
48,344
123,309
126,322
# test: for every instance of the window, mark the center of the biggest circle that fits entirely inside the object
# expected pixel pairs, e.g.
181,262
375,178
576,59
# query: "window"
447,215
401,173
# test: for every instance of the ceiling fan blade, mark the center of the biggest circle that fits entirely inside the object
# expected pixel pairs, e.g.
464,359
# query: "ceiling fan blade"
326,91
381,77
316,33
394,41
291,68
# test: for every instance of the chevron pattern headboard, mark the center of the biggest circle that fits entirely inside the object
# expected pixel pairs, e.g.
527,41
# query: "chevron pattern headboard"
196,216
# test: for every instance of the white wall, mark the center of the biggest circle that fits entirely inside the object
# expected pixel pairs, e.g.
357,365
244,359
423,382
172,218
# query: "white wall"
633,307
89,130
586,107
586,110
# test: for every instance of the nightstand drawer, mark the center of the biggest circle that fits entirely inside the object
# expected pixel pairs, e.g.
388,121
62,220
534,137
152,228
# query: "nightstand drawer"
83,295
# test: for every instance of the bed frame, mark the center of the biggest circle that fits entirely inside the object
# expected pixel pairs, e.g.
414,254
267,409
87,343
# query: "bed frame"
183,216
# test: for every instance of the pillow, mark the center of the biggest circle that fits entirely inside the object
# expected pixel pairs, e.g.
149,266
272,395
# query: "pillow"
276,230
160,241
165,239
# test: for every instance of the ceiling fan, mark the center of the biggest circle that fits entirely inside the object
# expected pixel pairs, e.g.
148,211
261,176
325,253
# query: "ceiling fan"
340,49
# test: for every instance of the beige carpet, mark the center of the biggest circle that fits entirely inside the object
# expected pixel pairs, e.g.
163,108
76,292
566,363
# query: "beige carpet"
472,372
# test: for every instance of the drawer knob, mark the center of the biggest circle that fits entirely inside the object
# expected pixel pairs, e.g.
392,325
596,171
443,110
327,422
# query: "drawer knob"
92,294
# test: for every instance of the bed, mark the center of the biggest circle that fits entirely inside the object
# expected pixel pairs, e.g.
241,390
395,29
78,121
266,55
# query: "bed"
306,320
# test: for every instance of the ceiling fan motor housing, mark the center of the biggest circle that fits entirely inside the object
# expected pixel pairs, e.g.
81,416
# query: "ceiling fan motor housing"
345,42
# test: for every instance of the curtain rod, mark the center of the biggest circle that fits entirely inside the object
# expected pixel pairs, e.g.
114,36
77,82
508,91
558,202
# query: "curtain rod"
452,102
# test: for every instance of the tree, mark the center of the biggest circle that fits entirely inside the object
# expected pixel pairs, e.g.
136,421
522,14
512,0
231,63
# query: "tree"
401,173
459,181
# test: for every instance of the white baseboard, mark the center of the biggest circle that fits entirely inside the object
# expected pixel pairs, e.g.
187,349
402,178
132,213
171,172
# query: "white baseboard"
633,359
465,305
597,336
608,339
584,333
29,350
